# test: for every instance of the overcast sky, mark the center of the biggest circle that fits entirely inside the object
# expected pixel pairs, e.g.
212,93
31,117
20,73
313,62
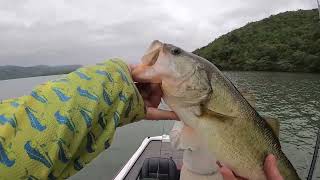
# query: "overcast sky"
86,32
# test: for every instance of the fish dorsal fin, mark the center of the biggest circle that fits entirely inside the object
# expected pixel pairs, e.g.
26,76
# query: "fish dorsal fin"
274,124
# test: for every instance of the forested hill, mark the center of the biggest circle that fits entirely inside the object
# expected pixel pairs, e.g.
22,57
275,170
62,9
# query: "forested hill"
289,41
13,72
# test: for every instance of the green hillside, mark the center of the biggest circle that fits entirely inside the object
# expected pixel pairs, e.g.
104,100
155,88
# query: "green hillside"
13,72
289,41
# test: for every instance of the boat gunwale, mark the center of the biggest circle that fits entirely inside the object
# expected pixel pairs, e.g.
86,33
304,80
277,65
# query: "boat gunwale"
131,162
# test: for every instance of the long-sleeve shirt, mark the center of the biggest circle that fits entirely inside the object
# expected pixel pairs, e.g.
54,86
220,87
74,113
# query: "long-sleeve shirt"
65,123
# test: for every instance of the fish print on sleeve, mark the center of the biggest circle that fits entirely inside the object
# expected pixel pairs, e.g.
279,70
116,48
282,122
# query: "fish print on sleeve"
63,124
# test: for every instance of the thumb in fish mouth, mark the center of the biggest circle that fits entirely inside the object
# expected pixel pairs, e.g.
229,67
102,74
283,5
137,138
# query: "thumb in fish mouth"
145,74
152,94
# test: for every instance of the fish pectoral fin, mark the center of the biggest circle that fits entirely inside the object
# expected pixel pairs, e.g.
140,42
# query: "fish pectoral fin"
216,115
274,124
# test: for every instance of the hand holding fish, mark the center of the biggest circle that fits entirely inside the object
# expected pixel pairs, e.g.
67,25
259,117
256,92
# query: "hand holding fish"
151,94
270,169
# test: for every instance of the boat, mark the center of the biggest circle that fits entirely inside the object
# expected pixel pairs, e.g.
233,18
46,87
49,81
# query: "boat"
154,159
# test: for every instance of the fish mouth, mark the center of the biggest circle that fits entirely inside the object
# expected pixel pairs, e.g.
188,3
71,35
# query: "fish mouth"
152,54
145,71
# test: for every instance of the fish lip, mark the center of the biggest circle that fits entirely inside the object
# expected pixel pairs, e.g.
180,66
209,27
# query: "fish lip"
152,53
149,62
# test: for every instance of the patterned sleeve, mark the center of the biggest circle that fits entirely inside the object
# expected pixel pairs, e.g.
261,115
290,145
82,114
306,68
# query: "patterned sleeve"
63,124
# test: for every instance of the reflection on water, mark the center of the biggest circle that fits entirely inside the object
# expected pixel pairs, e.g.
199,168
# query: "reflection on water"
292,98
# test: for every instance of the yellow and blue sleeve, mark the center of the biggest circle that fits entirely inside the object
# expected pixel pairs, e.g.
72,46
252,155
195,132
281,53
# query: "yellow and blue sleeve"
65,123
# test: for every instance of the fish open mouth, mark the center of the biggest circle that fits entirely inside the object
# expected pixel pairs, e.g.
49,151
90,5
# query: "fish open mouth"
152,54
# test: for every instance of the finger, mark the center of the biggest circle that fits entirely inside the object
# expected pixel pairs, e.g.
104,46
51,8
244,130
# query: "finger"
151,93
227,174
271,169
132,67
156,94
159,114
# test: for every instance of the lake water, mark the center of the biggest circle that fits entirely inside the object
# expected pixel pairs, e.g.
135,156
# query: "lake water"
293,98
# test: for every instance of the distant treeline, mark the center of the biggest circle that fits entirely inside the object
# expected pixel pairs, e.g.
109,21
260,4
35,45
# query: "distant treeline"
289,41
13,72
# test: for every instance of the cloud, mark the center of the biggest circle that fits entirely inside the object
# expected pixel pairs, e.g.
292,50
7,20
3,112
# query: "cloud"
87,32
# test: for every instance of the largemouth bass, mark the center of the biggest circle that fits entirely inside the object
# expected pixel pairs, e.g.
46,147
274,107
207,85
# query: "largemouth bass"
207,101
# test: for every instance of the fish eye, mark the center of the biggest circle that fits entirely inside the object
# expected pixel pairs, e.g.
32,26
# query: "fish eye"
175,51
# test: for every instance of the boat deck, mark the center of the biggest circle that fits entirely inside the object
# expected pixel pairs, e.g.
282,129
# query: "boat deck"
153,150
